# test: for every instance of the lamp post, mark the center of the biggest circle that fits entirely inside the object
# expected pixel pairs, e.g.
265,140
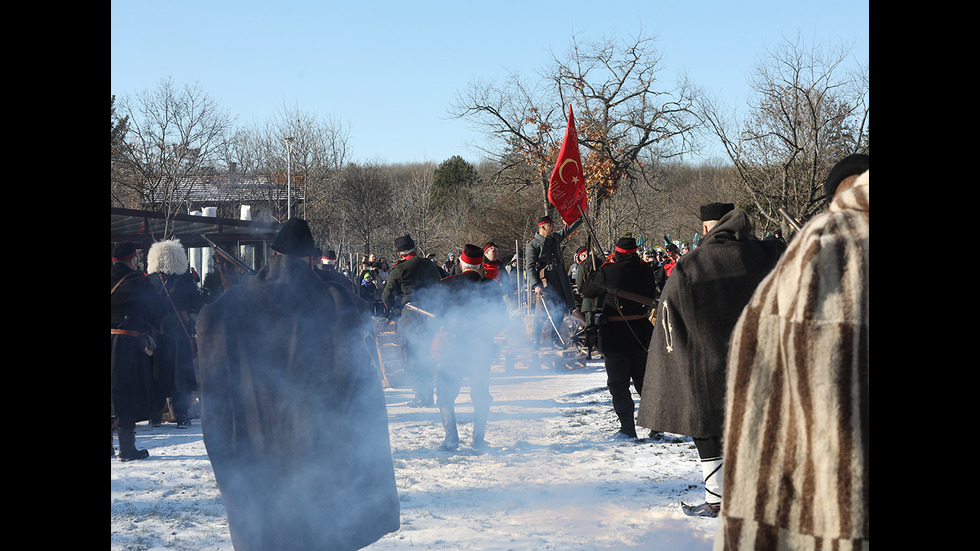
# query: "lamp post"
289,177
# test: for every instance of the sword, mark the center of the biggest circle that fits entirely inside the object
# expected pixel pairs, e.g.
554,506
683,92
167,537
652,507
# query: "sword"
557,332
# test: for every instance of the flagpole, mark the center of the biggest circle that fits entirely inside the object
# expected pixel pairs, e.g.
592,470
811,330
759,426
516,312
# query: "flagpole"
588,223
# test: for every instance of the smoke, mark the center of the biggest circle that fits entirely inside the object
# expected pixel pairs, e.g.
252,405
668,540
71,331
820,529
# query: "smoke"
293,414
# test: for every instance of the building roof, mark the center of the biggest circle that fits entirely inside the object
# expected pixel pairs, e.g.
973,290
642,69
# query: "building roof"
145,227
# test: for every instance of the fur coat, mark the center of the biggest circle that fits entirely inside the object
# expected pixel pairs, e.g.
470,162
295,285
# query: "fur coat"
797,407
684,382
293,413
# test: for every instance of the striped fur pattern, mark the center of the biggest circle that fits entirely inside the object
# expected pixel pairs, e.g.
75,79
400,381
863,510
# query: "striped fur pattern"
797,401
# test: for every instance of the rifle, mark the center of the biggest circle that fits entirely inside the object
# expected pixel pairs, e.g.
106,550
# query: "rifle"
226,257
790,220
646,301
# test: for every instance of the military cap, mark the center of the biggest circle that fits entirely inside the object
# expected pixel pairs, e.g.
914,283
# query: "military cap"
471,254
123,251
626,245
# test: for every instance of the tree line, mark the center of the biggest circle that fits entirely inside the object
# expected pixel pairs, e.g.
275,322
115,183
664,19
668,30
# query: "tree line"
637,134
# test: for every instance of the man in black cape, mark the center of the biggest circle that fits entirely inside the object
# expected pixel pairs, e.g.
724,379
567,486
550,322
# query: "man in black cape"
684,381
293,414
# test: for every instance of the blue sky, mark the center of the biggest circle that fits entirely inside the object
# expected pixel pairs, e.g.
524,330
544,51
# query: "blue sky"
390,70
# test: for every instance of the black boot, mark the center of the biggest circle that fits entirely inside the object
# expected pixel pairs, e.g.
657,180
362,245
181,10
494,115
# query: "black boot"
451,443
127,443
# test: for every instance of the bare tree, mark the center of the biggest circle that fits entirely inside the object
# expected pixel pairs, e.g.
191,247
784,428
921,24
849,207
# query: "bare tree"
620,109
807,113
174,136
366,196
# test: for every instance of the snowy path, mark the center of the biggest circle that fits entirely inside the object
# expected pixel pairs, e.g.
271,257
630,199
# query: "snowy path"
552,478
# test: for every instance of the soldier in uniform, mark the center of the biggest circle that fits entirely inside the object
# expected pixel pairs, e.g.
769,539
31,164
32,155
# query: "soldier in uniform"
546,274
174,360
684,382
468,344
327,270
624,327
133,308
410,277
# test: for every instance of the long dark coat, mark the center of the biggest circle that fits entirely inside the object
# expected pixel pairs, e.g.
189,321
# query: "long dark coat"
684,382
293,414
133,306
544,253
174,360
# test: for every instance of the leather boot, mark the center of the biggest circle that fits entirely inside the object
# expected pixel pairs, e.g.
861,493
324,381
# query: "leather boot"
127,443
451,442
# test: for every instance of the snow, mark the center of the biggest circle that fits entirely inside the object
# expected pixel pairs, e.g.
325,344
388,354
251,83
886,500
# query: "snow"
553,478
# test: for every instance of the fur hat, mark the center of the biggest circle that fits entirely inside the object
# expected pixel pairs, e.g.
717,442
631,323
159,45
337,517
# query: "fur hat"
167,257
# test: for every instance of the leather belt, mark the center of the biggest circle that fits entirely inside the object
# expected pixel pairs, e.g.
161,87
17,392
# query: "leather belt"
124,332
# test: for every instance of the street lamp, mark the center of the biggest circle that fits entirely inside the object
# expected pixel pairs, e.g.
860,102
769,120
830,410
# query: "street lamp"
289,177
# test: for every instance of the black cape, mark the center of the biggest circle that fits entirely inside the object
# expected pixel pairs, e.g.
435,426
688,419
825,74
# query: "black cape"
293,414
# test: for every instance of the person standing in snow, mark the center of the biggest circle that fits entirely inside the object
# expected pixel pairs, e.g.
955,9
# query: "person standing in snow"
797,411
133,309
684,381
546,275
174,375
411,280
625,332
467,345
293,414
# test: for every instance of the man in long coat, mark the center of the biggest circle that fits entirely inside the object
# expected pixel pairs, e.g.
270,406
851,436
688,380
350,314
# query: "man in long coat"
797,411
293,413
133,309
684,383
546,275
174,377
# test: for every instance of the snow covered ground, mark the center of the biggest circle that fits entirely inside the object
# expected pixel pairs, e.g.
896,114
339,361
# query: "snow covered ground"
553,478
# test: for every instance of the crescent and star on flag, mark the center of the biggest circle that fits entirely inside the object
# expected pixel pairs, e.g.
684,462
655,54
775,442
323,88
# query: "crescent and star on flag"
566,189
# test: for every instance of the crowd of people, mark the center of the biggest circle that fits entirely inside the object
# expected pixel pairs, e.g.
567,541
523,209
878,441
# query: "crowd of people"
756,351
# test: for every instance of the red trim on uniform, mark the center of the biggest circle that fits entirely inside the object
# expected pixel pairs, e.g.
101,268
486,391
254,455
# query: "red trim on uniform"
470,259
625,251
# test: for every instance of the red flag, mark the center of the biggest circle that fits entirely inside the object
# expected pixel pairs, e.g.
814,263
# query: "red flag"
566,189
